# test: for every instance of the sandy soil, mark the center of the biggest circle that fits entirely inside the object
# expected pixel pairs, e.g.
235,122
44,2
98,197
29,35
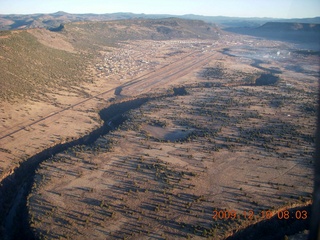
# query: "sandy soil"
52,39
30,126
162,174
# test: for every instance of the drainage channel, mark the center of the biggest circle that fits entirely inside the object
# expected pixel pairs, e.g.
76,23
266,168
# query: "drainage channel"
15,188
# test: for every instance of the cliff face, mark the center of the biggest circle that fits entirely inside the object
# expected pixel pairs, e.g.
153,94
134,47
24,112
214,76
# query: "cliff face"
290,27
308,35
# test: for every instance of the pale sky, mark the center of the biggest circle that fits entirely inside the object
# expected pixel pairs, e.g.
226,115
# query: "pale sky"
232,8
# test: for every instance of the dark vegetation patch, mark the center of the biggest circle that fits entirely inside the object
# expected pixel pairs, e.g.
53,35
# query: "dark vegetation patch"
5,33
273,70
175,53
164,30
309,108
267,79
212,73
21,23
30,69
4,150
118,91
276,103
158,123
308,52
180,91
296,68
57,29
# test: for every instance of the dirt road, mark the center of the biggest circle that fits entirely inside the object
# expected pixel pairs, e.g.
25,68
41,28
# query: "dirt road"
57,124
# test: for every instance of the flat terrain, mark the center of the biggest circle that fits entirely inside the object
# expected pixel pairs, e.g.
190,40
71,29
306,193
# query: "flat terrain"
225,145
72,114
207,138
47,73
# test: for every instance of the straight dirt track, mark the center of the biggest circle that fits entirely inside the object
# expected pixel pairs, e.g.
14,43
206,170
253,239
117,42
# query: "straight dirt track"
170,73
161,77
142,84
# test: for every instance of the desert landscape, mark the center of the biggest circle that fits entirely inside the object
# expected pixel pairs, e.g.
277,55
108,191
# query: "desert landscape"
155,129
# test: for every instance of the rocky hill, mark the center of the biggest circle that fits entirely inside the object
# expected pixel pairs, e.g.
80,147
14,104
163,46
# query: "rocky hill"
19,21
302,33
37,59
89,34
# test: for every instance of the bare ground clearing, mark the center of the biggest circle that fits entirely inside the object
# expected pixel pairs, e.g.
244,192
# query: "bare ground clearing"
245,148
27,128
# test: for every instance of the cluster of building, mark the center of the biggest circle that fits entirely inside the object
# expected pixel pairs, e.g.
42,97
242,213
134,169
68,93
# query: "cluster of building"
130,59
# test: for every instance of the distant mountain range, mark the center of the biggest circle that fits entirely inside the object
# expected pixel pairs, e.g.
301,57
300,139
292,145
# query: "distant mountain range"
18,21
305,34
47,59
304,31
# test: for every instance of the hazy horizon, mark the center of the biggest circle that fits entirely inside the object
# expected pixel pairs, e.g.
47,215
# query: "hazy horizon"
231,8
84,13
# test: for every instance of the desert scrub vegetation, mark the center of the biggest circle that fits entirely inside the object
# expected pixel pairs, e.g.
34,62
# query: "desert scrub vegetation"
141,177
95,35
30,69
163,167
